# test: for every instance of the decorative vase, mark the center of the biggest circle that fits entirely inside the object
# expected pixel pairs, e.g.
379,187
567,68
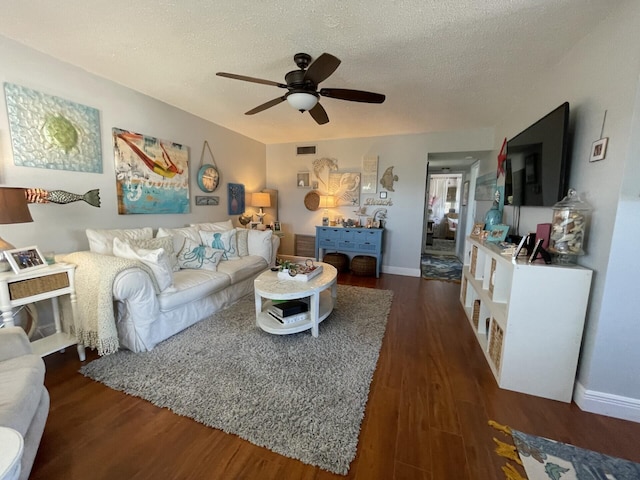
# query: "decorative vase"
568,229
493,216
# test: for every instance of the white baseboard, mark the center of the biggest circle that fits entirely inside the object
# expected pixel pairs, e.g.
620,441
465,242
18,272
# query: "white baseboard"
607,404
407,272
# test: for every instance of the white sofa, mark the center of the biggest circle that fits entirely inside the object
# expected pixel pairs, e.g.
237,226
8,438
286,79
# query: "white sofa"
144,315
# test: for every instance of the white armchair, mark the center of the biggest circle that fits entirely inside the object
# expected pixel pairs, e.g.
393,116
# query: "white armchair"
24,400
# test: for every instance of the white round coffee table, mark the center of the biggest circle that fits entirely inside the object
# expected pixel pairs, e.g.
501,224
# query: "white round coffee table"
322,291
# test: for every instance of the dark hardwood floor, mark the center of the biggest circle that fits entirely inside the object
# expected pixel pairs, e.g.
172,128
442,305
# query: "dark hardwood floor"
430,400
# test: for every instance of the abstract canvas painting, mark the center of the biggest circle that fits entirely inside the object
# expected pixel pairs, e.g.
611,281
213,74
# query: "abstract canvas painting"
152,176
345,187
51,132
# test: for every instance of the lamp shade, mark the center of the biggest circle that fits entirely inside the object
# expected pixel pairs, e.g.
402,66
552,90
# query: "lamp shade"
302,101
13,206
260,199
327,201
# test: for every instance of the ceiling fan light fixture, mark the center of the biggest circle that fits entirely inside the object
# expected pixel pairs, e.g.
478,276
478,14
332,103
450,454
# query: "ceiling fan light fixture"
302,101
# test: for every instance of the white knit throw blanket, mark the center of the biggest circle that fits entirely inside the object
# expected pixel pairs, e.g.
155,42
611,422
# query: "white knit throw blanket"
94,321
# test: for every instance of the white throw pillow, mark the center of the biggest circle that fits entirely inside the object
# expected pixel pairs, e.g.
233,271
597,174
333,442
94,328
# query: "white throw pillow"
222,241
259,243
101,241
157,260
179,235
165,243
196,256
215,226
242,235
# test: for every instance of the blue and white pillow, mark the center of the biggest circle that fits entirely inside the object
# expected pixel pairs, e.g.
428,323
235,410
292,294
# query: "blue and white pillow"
225,241
196,256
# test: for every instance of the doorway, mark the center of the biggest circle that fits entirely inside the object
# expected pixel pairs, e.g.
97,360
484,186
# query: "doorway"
443,212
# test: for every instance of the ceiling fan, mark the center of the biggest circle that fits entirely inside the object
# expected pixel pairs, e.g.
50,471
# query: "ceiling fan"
302,86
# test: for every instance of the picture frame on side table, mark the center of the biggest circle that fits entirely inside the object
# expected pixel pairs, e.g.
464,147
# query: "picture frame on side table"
25,259
536,250
476,231
276,226
520,246
498,233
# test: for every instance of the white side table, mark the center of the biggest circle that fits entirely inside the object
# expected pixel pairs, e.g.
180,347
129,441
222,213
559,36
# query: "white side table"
322,291
50,282
12,445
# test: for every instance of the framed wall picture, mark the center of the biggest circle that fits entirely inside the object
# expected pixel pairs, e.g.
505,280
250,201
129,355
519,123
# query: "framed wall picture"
204,200
303,180
599,149
236,199
465,193
25,259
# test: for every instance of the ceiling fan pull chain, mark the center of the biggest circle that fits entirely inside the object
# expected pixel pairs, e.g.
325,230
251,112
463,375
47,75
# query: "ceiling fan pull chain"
213,162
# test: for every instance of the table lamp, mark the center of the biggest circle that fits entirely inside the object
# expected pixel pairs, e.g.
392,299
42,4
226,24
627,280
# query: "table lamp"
326,202
261,199
13,209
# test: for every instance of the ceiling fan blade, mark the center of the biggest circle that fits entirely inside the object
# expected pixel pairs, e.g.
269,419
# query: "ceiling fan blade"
251,79
321,68
264,106
352,95
319,114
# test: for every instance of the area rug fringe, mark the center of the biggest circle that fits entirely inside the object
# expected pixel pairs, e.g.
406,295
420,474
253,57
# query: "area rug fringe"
507,451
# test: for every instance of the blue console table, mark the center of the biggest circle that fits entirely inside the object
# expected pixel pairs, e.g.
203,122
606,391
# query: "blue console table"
366,241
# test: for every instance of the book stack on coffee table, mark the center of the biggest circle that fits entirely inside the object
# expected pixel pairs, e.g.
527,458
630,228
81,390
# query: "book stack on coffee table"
290,311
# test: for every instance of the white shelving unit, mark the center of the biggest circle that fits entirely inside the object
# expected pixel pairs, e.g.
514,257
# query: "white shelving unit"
528,318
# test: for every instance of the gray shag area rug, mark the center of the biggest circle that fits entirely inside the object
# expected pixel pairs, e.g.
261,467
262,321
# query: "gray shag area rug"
296,395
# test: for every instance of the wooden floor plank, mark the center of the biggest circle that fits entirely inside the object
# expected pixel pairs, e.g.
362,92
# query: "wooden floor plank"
430,400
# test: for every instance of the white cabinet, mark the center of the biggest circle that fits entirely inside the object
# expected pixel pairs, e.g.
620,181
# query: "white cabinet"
528,318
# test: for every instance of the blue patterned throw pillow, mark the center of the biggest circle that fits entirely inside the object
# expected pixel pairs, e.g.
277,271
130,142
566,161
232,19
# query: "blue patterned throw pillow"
222,241
196,256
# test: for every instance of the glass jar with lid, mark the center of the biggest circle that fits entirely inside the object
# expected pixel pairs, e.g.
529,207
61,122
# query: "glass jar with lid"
569,227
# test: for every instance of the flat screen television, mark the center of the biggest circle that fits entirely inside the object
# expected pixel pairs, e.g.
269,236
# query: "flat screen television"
537,165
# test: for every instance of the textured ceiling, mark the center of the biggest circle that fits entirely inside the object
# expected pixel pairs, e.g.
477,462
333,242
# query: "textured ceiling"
442,64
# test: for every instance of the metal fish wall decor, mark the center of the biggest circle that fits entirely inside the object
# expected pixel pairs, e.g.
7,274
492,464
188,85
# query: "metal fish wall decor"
40,195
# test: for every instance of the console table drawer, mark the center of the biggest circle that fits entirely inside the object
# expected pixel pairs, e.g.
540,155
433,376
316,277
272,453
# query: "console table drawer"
326,243
367,247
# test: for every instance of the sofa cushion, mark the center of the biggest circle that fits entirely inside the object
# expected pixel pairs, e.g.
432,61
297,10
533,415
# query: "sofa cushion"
196,256
223,240
184,232
259,243
157,260
166,243
243,268
215,226
21,385
101,241
242,237
191,285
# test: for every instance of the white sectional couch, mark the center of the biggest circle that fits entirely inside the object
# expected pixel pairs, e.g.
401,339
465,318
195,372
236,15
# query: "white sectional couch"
202,281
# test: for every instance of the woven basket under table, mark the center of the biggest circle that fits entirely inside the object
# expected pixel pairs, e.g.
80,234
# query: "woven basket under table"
363,265
338,260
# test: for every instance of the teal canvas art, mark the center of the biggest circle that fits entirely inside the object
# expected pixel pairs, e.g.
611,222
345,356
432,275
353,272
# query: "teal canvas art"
152,175
51,132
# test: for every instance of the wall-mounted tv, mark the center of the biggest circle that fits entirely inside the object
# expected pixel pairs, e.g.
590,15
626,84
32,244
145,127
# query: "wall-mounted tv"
537,165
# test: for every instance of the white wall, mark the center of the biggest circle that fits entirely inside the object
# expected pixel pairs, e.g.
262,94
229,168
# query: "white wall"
406,153
61,227
601,73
